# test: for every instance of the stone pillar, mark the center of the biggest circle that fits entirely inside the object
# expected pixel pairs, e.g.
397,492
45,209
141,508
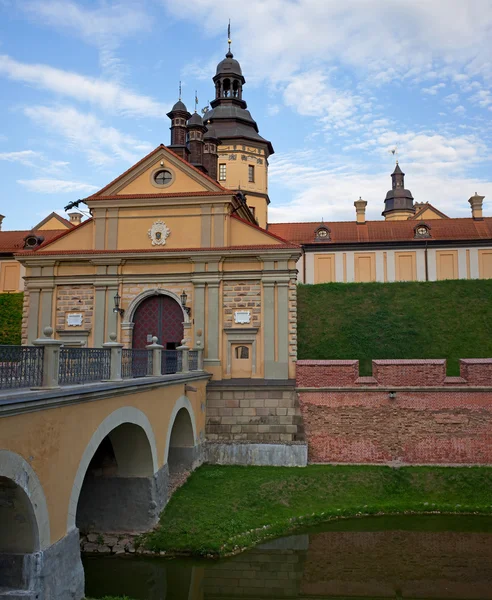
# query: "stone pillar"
269,328
116,356
32,326
212,332
185,357
51,358
156,357
99,316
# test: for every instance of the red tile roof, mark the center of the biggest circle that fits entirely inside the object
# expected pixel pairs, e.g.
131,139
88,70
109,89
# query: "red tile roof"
13,241
348,232
159,147
270,233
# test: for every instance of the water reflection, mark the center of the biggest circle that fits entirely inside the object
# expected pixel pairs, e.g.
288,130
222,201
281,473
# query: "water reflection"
411,557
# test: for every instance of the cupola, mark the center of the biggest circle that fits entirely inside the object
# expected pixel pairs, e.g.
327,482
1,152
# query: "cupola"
398,205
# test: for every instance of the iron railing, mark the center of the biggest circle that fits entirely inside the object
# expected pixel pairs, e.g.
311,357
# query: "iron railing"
21,366
83,365
135,362
171,361
193,360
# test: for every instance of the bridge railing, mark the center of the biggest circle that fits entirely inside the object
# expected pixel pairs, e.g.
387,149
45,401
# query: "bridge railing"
20,367
48,364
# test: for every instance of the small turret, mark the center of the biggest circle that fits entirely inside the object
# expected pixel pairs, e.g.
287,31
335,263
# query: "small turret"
179,115
196,130
398,205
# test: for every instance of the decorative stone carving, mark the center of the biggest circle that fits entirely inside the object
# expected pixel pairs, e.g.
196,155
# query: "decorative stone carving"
74,319
242,316
158,233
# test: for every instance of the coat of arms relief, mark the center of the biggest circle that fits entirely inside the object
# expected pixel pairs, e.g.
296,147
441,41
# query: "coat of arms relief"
158,233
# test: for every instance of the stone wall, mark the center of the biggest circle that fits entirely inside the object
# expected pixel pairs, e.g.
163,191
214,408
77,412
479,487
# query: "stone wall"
242,295
77,299
256,413
408,412
25,317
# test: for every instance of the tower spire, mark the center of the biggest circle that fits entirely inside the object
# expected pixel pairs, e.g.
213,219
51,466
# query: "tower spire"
179,94
229,41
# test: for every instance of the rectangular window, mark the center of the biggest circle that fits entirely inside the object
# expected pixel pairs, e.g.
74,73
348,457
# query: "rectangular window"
251,173
222,172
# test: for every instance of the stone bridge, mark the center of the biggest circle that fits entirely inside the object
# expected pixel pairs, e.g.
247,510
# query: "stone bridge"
96,457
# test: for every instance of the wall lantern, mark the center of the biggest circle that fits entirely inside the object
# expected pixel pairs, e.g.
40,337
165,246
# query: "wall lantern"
183,299
117,308
392,395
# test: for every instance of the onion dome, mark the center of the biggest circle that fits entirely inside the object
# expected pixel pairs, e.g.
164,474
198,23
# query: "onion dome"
229,66
195,120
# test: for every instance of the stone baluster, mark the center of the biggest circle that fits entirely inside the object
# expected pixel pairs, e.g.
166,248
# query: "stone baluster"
116,357
51,358
156,350
199,355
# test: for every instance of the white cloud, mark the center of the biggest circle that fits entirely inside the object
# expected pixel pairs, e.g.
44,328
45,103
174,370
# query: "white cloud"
56,186
434,89
86,133
108,95
104,26
395,38
24,157
325,192
273,110
460,110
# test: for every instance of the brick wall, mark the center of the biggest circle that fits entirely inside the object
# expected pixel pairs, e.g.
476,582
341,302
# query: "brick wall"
242,295
261,414
432,419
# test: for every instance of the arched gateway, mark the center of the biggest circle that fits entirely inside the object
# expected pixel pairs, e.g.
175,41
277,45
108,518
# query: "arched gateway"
160,315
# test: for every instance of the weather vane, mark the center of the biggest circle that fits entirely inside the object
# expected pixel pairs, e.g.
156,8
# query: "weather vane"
196,100
180,90
229,41
394,152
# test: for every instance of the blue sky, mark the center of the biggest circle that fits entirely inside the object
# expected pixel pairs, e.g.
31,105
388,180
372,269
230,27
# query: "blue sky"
85,87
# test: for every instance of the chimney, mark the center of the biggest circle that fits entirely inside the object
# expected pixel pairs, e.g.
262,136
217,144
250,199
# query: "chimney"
75,218
360,210
476,202
2,217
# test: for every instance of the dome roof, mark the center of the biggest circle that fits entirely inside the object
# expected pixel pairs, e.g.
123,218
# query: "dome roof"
179,106
229,66
195,120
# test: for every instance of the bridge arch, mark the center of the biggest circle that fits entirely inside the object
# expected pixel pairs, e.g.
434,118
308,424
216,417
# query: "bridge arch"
181,441
138,461
26,501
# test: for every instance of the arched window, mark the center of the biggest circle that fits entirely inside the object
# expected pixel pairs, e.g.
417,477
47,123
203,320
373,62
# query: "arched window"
235,88
227,88
242,352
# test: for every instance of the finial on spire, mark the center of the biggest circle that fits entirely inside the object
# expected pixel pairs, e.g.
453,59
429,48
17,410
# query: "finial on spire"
196,100
179,91
229,41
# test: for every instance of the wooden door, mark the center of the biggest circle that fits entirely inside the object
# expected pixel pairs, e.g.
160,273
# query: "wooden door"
161,316
241,361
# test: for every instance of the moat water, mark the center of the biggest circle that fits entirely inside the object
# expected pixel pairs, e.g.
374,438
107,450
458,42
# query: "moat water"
382,557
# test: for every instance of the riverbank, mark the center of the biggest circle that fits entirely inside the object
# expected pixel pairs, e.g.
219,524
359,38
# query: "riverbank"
222,510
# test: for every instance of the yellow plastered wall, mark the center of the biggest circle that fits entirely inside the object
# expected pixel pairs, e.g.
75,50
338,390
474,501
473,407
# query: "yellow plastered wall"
80,238
184,224
365,266
398,215
485,264
242,234
53,223
405,266
324,268
182,181
260,209
429,213
447,264
10,276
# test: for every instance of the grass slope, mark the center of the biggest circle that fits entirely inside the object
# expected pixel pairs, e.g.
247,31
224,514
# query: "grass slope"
222,509
10,318
365,321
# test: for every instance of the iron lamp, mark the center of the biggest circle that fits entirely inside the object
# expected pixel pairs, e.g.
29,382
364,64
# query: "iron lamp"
184,297
117,308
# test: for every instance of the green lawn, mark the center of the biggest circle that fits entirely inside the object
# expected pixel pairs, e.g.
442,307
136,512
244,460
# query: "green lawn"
10,318
444,319
222,509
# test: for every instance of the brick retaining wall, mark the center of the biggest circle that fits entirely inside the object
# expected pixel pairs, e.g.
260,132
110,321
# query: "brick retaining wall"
427,419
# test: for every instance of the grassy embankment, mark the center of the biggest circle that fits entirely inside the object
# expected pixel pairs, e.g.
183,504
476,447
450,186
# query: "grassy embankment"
443,319
222,510
10,318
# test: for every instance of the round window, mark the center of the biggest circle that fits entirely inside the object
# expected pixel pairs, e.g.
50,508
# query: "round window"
163,177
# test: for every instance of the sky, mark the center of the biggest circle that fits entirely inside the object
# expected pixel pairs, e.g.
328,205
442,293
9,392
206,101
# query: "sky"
336,86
